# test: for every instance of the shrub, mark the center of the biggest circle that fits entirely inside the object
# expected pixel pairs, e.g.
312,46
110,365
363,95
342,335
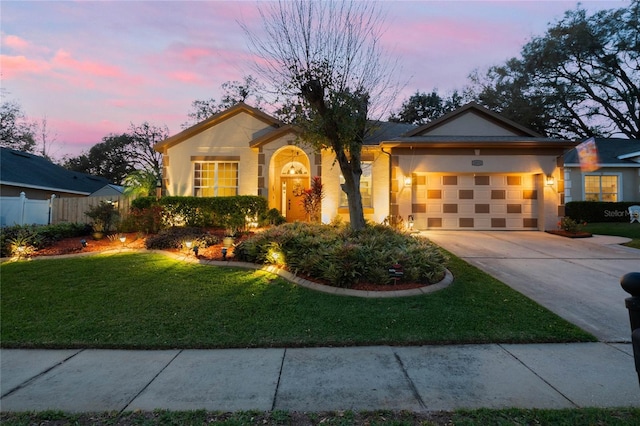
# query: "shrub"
597,211
216,212
174,238
104,216
39,236
149,220
570,225
343,257
272,217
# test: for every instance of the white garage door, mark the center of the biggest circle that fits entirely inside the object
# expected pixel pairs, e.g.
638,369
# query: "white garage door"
468,201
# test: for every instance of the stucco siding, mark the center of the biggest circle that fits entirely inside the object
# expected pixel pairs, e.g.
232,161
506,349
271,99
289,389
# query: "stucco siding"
228,139
470,124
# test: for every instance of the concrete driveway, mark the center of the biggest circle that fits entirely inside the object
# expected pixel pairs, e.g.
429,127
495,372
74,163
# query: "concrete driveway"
578,279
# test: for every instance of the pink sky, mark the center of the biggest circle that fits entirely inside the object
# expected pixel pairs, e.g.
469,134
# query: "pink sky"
94,67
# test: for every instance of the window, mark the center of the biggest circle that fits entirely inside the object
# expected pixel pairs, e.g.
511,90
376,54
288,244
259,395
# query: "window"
366,187
601,188
215,179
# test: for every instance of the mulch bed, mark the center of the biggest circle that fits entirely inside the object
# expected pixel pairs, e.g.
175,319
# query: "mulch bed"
562,233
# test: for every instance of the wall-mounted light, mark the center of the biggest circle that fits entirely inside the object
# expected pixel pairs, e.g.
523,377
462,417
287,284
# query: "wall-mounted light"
550,180
407,181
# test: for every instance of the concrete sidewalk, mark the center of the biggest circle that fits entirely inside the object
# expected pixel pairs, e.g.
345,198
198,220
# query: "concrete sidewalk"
421,378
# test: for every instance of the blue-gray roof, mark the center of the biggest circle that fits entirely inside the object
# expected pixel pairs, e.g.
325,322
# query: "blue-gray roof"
609,151
29,170
386,130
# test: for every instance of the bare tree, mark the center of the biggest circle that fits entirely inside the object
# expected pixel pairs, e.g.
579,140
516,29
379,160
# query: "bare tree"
325,59
46,139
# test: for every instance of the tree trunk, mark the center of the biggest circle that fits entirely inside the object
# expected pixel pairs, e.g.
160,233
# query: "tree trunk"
351,187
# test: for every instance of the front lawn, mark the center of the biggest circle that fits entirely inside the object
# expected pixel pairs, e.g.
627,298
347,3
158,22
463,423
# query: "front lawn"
620,229
481,417
150,301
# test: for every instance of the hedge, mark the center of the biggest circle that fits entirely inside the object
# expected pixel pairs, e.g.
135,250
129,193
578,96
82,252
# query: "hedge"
217,212
598,211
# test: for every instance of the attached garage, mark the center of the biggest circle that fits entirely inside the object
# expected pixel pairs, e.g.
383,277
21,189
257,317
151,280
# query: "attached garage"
474,170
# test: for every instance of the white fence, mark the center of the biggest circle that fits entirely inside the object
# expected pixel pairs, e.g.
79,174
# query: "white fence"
22,211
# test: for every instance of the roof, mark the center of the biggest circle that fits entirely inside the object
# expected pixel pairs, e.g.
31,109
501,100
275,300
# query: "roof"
611,152
384,131
215,119
31,171
477,142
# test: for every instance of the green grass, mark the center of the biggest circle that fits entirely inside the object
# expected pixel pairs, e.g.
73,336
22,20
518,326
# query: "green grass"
146,300
585,416
620,229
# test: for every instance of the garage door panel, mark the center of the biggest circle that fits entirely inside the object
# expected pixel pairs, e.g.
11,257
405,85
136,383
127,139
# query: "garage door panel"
514,194
482,194
499,209
466,209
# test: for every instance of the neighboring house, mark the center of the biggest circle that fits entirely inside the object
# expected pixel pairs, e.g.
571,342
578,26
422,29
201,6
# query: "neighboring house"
471,169
39,178
108,190
616,179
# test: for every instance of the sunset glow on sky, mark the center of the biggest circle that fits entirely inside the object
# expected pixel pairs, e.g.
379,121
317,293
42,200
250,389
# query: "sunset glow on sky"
94,67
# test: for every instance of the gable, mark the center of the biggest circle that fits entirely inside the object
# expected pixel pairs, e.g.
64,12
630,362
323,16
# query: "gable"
472,119
244,119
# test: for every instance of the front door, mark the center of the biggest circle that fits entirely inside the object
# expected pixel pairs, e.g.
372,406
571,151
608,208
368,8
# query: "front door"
292,189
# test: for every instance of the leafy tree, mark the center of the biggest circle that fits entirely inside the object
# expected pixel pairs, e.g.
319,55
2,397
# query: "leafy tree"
144,137
140,183
326,60
422,108
110,159
16,132
581,78
233,92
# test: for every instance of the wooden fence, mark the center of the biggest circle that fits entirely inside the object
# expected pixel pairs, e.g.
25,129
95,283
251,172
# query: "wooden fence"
72,209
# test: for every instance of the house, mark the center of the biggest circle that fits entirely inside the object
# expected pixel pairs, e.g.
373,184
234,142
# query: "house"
471,169
109,190
39,178
617,177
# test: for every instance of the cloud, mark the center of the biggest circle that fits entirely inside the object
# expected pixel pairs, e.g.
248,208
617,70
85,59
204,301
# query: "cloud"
17,66
14,42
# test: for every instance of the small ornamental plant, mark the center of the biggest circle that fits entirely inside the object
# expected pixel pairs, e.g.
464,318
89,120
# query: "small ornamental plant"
569,225
312,199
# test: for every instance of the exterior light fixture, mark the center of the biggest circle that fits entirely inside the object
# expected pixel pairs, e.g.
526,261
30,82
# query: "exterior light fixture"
188,244
123,238
83,243
224,253
407,181
292,170
550,180
410,222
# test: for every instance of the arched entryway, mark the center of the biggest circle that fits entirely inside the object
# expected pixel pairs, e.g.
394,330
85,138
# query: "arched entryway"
290,172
